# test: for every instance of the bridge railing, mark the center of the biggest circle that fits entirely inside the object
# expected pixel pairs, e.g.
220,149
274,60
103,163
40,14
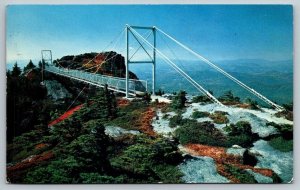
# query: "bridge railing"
114,83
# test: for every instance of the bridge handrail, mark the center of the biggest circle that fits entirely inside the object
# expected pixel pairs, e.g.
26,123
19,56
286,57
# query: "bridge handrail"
116,82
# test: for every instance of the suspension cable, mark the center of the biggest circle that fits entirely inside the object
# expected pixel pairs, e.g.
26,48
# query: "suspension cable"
174,66
266,100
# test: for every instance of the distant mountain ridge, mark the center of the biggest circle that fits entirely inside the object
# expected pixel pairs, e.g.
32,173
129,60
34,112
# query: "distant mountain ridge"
273,79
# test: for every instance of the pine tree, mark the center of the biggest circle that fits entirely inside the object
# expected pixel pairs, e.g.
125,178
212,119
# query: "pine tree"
29,66
16,71
179,100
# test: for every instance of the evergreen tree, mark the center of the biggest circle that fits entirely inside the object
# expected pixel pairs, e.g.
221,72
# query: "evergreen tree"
29,66
179,100
102,106
16,71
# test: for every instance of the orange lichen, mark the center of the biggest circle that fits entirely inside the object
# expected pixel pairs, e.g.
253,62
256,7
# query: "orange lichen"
145,122
29,162
217,153
41,145
263,171
122,102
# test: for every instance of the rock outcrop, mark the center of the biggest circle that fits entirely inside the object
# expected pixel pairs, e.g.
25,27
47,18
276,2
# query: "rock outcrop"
107,63
56,90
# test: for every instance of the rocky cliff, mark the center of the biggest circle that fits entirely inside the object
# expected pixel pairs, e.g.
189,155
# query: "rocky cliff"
107,63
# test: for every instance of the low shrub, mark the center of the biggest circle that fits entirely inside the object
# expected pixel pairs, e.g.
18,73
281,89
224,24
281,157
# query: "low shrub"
242,175
199,114
176,120
219,117
151,160
200,133
96,178
252,103
128,115
286,130
241,127
240,134
201,99
178,102
242,140
229,99
281,144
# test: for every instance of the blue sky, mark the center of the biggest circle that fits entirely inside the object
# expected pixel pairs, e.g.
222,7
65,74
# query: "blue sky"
216,32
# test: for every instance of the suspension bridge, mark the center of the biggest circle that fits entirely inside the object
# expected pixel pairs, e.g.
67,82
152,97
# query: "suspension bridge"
132,87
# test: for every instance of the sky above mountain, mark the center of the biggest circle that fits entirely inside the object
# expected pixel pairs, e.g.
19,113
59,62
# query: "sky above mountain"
218,32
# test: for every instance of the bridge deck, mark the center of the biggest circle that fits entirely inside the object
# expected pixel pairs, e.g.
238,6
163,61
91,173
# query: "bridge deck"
114,83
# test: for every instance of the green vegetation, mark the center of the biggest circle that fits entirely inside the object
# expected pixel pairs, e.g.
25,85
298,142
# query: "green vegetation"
128,115
219,117
83,153
29,66
284,142
281,144
241,127
160,92
26,104
240,134
80,150
285,130
202,133
229,98
242,175
150,160
199,114
177,120
288,107
205,133
252,103
179,100
201,99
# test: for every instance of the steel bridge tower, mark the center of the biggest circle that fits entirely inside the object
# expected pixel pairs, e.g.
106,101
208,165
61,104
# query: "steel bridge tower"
46,59
151,53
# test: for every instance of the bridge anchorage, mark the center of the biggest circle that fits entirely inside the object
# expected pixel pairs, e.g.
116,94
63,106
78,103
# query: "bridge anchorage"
128,86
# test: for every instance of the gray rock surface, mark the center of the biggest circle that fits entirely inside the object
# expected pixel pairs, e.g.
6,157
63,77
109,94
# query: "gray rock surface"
258,124
201,170
236,151
56,90
114,131
268,157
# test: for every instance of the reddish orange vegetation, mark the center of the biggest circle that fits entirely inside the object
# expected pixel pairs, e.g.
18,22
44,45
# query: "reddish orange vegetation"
221,157
263,171
41,145
122,102
65,115
245,106
29,162
145,122
217,153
